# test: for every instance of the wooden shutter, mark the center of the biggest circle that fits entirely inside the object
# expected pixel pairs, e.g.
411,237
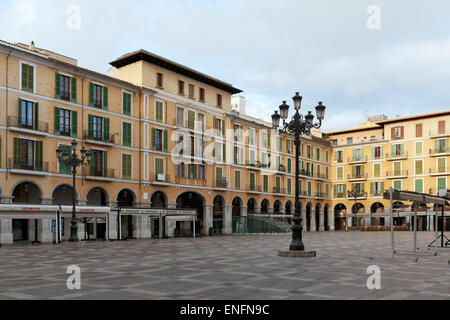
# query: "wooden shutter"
57,121
73,90
105,164
166,141
345,191
289,165
91,94
105,98
36,115
90,126
224,152
237,180
16,153
58,86
74,115
106,129
392,133
266,183
38,155
153,139
402,133
372,187
441,125
419,130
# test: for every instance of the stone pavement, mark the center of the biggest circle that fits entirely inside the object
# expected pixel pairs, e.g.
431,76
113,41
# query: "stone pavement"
233,267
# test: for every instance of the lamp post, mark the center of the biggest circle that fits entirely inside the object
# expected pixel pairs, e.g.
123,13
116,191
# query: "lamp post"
73,161
356,194
299,125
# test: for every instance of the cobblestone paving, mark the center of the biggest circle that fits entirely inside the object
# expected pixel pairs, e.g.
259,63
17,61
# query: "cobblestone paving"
234,267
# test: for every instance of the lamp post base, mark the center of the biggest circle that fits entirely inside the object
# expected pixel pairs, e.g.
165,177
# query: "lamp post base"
296,254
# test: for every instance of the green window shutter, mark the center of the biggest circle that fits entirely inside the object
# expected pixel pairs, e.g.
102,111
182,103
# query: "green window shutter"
309,188
418,186
31,78
39,155
397,185
353,172
90,126
252,157
312,170
372,187
92,162
335,192
224,152
252,181
436,146
289,186
106,129
278,183
223,128
373,153
327,155
392,150
74,115
235,155
278,160
441,165
237,180
345,191
58,86
16,153
105,98
57,121
289,165
125,137
24,77
124,170
381,152
191,120
446,145
105,163
153,139
402,149
73,91
91,94
126,108
36,115
166,141
382,188
442,183
353,155
335,156
19,111
266,183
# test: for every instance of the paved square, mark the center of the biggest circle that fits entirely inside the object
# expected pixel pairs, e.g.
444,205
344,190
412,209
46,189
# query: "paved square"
234,267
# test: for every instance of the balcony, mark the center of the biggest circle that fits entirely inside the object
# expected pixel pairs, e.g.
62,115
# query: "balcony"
437,152
253,188
437,134
190,180
279,190
21,165
321,176
282,168
99,139
104,175
196,125
438,172
320,195
159,178
397,174
221,183
395,156
358,177
15,123
305,173
357,160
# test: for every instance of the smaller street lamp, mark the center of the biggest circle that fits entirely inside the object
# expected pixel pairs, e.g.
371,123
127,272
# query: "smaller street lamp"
73,161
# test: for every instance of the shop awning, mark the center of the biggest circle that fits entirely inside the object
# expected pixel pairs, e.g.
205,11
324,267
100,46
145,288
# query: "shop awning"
31,211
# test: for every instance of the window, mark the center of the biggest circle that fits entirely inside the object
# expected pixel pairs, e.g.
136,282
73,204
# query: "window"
289,146
277,185
377,153
158,139
64,169
192,172
181,87
358,172
180,116
191,120
219,179
98,96
350,140
309,152
441,127
27,77
397,133
441,183
357,155
65,87
377,170
252,157
309,188
358,187
159,166
218,126
159,111
418,185
181,170
201,122
97,128
340,173
97,163
289,165
126,134
441,146
237,180
441,165
201,172
126,103
335,142
289,186
318,154
419,130
26,154
191,91
159,80
419,166
419,148
398,150
64,122
126,166
202,95
265,183
252,181
252,136
339,156
219,100
26,114
377,189
340,191
397,168
265,139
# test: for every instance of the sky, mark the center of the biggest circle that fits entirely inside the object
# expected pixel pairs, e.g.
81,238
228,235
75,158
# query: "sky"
359,57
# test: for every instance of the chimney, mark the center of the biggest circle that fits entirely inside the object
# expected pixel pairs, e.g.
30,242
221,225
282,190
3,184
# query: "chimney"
32,46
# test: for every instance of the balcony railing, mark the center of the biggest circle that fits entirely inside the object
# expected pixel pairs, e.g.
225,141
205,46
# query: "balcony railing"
440,150
104,173
282,168
358,176
111,138
279,190
16,122
221,183
305,173
438,171
397,173
394,156
158,177
357,159
320,195
253,188
22,164
322,176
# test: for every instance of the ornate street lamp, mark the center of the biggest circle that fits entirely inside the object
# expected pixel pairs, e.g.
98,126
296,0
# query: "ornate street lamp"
299,125
73,161
356,194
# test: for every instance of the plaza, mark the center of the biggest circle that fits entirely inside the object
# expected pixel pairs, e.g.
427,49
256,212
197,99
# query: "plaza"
228,267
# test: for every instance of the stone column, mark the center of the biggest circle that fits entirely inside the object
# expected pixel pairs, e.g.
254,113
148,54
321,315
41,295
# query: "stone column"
322,220
244,212
112,204
304,220
112,223
331,220
227,220
430,223
80,229
47,201
82,203
257,210
207,219
6,236
6,200
172,206
368,219
282,211
313,220
45,231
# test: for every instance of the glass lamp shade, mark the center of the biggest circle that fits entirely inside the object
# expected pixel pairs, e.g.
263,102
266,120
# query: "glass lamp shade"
65,156
320,110
284,111
297,101
88,157
276,119
83,152
309,117
74,145
58,153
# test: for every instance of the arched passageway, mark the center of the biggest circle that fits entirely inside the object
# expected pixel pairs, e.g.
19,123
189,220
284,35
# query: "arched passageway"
308,216
193,200
25,193
326,218
218,214
340,214
251,206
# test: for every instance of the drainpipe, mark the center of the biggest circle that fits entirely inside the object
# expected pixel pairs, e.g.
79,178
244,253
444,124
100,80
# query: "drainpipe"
7,122
82,123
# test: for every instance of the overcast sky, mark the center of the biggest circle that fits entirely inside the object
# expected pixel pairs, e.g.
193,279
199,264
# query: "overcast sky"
269,49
